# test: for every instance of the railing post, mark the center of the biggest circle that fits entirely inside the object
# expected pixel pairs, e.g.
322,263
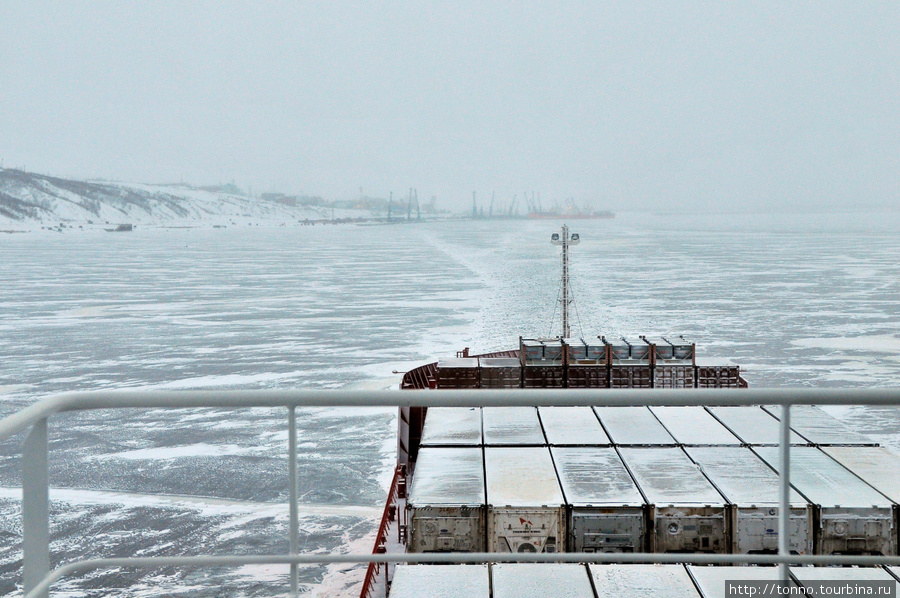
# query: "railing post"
294,516
35,507
784,492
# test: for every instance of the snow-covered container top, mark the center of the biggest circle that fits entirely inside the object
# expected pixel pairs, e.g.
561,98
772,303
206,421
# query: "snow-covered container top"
643,581
823,480
512,426
441,581
819,427
572,426
694,426
448,476
521,477
668,477
874,464
498,362
465,363
594,476
633,425
845,574
452,426
753,425
540,580
740,475
712,579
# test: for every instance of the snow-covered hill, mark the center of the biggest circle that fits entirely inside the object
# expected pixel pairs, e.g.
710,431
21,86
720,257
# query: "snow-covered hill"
31,201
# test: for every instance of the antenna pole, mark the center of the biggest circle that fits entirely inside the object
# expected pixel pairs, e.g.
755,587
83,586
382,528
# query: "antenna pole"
565,282
565,241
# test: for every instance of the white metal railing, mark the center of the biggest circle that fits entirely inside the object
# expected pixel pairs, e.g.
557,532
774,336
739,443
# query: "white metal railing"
37,576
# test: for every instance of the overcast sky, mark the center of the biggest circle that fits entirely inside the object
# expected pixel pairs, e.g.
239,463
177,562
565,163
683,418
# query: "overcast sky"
683,105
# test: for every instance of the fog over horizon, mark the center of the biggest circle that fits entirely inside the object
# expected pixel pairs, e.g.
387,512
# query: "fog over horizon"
680,106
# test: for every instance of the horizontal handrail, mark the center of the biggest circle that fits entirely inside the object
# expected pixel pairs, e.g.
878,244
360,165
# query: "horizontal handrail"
457,558
36,448
234,399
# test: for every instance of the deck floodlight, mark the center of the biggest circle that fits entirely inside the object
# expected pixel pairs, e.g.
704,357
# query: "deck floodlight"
554,238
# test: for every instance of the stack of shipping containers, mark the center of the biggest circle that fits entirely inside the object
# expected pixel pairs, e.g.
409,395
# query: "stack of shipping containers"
878,467
673,363
499,372
629,364
446,504
589,363
461,372
586,363
624,479
525,506
852,517
688,513
543,363
752,491
606,510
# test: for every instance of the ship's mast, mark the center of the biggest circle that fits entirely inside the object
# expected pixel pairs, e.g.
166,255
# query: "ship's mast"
565,240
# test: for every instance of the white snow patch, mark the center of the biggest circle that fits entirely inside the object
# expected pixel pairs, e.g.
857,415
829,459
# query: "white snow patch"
878,344
200,449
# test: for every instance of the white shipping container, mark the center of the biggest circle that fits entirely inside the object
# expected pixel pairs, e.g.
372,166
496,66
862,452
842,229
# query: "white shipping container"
694,426
819,427
753,426
449,426
752,488
512,426
642,581
688,512
540,580
572,426
853,518
633,426
446,503
606,509
444,581
525,503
